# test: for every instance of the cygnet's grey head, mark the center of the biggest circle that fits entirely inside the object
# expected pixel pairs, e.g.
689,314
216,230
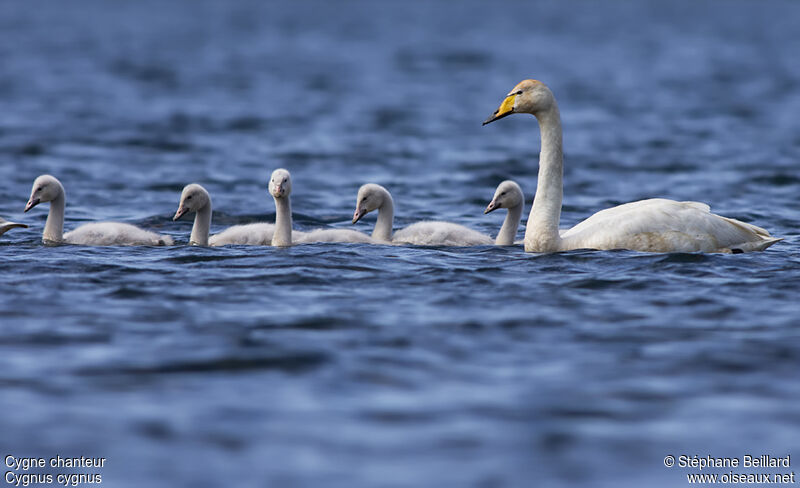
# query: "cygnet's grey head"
45,188
280,183
193,198
370,197
508,195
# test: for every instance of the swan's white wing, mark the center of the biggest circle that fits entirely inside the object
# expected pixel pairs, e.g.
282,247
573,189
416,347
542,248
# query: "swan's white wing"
331,235
115,234
659,225
434,233
259,234
5,225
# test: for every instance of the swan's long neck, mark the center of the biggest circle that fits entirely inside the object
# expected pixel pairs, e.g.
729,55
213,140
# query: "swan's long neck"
541,233
202,223
54,227
510,225
283,222
383,226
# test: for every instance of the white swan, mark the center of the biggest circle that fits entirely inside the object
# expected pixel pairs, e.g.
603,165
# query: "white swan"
6,226
280,187
195,198
655,225
47,188
427,233
508,195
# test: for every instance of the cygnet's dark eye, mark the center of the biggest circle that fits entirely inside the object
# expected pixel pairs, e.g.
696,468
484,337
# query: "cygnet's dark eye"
503,193
518,92
189,197
40,188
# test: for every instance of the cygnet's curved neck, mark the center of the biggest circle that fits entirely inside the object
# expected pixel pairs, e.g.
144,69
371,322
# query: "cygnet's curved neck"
54,227
541,233
202,223
383,226
283,222
510,225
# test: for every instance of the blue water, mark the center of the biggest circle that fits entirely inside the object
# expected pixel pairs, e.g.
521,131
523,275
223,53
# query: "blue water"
354,365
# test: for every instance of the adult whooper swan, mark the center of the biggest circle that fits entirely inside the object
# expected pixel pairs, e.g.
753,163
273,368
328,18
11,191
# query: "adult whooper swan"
195,198
654,225
280,187
47,188
427,233
6,226
509,196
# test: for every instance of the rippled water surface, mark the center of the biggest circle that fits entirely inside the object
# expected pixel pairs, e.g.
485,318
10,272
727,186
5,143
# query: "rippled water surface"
355,365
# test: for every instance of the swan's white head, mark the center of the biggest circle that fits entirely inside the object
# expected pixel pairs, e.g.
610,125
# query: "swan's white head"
370,197
193,198
528,97
45,188
508,195
280,183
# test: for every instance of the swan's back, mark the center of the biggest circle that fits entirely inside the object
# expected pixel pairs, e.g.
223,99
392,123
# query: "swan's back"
435,233
259,234
660,225
331,235
115,234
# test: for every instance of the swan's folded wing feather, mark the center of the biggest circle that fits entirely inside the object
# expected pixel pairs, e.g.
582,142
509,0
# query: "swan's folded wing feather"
703,207
114,234
331,235
660,225
747,227
604,217
259,234
435,233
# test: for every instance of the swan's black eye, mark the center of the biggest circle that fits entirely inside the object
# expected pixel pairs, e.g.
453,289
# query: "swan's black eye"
189,197
519,92
40,188
503,193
